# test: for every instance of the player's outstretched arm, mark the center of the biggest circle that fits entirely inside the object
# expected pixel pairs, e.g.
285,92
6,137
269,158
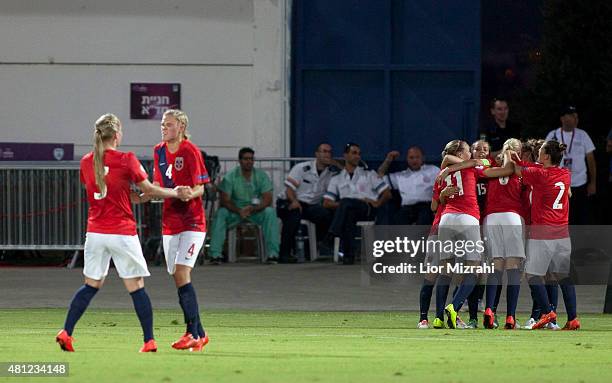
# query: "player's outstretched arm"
152,190
458,166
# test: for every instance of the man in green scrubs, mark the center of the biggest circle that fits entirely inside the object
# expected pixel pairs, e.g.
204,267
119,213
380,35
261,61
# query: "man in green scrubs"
246,195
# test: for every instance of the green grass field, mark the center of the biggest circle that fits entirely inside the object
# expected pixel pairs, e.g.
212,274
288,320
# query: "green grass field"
270,346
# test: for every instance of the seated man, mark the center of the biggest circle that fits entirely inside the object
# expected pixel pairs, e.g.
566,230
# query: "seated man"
415,186
246,195
354,194
306,183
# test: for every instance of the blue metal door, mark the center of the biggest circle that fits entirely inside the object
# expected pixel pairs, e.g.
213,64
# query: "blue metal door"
386,74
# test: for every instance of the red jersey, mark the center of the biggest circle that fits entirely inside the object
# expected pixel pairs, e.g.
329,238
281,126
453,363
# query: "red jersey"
549,201
439,210
504,195
185,167
111,213
465,202
482,191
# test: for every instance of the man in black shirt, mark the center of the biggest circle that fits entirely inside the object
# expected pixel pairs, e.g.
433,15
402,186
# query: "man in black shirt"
500,129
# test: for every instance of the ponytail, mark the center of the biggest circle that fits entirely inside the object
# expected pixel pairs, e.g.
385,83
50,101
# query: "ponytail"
107,126
555,150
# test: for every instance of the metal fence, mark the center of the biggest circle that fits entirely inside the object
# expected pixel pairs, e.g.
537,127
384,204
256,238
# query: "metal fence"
43,205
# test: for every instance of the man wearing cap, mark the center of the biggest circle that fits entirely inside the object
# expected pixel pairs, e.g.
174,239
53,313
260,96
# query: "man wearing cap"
578,156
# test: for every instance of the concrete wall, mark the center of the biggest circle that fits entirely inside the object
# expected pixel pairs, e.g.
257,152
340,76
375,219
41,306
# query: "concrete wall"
66,62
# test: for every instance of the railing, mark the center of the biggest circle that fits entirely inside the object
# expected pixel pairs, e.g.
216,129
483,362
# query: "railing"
43,205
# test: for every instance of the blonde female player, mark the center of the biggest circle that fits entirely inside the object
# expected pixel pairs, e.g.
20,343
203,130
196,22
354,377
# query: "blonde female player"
460,222
178,161
111,229
549,245
503,228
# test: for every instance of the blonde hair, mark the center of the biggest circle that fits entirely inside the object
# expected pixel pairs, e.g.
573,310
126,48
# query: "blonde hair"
107,126
512,144
453,147
181,117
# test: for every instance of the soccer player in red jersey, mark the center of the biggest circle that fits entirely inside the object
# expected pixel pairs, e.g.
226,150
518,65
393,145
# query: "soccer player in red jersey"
107,174
549,245
529,157
433,258
481,150
178,161
460,221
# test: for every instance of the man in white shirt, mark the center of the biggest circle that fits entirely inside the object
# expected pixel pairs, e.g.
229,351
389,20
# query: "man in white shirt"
354,194
306,184
578,156
415,186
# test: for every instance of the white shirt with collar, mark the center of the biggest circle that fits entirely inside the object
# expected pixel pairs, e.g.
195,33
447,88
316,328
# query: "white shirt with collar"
574,158
311,184
363,184
415,185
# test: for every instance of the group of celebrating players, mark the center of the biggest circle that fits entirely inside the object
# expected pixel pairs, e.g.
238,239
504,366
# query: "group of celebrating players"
521,193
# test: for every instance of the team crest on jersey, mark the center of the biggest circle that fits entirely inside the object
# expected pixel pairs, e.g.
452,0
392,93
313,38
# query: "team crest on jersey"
178,163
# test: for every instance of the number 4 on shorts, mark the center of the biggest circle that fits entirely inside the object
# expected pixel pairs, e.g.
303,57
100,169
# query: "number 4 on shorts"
191,250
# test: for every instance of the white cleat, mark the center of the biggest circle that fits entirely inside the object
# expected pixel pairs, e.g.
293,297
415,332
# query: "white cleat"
553,326
529,324
424,324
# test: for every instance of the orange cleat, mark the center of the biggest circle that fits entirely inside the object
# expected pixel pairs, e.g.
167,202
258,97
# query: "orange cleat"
185,342
574,324
489,318
150,346
201,342
510,323
65,341
544,320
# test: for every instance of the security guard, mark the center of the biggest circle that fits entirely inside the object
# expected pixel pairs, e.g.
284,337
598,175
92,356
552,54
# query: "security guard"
354,194
306,183
415,186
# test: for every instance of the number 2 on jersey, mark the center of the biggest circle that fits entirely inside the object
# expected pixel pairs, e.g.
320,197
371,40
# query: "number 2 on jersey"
449,181
556,204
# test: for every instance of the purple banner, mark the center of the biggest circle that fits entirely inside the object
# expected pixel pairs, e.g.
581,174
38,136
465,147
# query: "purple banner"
150,101
23,151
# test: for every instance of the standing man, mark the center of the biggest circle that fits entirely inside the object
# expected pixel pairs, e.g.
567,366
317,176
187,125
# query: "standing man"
577,157
354,194
415,186
246,194
306,183
500,129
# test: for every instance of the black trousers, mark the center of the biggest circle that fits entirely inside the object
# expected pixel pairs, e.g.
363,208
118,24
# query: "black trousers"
579,206
345,219
418,214
316,214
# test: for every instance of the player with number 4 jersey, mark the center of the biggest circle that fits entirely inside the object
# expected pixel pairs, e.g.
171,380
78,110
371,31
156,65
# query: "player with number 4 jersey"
178,162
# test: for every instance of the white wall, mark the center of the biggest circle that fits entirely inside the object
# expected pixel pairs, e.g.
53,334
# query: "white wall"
65,62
